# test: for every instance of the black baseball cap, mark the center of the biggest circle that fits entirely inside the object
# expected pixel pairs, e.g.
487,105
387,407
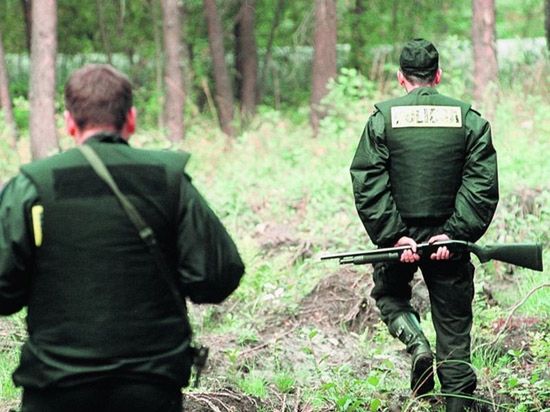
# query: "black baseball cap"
419,58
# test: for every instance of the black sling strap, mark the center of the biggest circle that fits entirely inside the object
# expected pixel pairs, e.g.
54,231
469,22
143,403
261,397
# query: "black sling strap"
148,236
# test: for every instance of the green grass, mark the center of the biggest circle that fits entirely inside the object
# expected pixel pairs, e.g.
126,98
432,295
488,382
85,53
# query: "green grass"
8,362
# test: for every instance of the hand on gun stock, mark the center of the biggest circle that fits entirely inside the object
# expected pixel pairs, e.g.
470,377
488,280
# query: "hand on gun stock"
411,255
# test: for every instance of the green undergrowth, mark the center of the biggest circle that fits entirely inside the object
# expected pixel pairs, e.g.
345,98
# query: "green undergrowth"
285,196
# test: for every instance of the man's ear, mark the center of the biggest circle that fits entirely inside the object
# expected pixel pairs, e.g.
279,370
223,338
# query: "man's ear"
129,126
400,78
437,78
70,124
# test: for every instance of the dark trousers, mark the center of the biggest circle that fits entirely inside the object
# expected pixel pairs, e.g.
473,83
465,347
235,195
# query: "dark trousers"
451,289
104,396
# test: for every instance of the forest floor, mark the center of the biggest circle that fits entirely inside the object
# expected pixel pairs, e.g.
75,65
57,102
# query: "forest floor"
339,310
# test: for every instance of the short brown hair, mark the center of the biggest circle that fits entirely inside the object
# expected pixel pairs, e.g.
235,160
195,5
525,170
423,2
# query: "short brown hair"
98,95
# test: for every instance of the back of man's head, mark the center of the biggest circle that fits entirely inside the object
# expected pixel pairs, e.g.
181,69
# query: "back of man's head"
98,95
419,61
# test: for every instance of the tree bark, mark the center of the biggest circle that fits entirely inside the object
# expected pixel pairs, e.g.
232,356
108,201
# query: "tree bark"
247,58
27,7
484,47
173,77
224,92
105,38
42,78
547,22
269,48
157,39
5,101
359,40
324,57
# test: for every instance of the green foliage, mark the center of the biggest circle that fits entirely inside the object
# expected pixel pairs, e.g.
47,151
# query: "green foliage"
21,112
368,41
350,87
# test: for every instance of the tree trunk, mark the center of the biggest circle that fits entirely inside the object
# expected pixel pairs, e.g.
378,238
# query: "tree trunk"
359,38
42,78
484,46
105,38
27,9
155,19
269,48
547,22
173,78
5,101
324,57
224,93
247,58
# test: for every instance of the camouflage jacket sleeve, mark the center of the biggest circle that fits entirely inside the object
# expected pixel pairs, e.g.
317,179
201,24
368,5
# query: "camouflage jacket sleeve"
477,196
16,243
209,264
371,186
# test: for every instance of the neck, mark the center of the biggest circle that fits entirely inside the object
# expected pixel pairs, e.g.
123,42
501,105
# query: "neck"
84,135
410,87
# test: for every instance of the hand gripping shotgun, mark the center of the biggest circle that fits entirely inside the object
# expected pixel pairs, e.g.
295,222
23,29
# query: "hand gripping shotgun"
527,255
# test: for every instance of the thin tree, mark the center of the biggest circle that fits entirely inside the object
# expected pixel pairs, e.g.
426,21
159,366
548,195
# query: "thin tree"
547,22
27,7
5,101
324,57
102,25
42,128
279,11
247,57
173,77
484,47
224,91
157,38
358,36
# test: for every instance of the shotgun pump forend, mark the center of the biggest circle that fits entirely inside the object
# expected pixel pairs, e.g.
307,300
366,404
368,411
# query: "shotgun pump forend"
527,255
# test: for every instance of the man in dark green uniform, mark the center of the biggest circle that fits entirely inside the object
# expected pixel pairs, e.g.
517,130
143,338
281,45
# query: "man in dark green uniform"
425,170
105,332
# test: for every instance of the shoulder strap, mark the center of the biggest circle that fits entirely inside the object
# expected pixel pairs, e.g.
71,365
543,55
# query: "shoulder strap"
145,232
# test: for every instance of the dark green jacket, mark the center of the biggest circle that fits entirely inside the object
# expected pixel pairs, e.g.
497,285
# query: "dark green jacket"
97,305
434,163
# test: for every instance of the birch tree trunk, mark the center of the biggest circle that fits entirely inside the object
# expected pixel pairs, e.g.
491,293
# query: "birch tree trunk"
42,128
224,91
173,77
484,46
324,57
5,101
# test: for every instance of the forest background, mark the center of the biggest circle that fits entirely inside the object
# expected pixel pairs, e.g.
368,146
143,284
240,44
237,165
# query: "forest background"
270,97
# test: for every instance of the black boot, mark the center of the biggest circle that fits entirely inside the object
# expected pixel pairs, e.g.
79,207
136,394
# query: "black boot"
407,329
458,404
